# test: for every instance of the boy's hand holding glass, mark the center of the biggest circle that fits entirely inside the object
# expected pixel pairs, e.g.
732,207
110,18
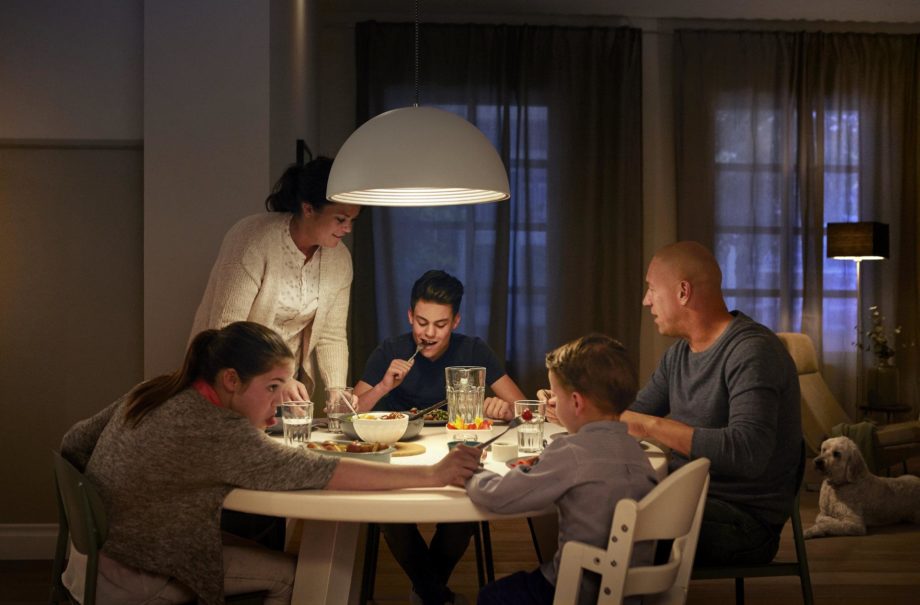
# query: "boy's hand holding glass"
547,396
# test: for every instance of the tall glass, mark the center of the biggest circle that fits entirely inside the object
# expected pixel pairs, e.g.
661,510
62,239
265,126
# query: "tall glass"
297,420
339,403
530,432
466,389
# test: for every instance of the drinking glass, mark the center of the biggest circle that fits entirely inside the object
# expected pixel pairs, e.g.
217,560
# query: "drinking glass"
466,389
339,402
530,432
297,419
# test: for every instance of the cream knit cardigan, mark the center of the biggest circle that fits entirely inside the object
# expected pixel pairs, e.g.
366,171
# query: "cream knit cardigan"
245,282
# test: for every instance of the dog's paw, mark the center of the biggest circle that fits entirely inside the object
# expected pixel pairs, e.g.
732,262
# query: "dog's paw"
812,532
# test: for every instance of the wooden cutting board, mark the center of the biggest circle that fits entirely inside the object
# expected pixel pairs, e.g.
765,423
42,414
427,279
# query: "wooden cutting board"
408,449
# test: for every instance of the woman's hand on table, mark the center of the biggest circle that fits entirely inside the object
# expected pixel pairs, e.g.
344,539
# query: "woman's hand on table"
457,466
550,399
493,407
294,390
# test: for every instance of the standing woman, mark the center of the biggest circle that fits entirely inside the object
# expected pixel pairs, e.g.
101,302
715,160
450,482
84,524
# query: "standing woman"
287,270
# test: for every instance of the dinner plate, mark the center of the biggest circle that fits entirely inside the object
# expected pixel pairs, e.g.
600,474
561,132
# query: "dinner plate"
514,462
378,456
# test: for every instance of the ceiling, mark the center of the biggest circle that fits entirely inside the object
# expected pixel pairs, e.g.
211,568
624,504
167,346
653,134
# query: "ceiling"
898,11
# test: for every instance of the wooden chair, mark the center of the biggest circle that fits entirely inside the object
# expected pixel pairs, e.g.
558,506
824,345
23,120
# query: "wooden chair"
799,567
672,510
821,412
82,520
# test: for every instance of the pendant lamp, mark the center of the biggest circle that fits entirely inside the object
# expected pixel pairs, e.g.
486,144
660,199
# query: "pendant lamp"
417,156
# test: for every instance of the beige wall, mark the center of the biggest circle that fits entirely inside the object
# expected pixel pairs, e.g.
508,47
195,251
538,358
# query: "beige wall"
206,152
70,230
107,243
70,304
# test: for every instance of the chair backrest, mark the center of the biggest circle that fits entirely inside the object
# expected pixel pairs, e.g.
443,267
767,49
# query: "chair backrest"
82,505
820,409
82,515
672,510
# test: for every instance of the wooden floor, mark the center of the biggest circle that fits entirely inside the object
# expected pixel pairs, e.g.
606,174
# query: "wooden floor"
883,568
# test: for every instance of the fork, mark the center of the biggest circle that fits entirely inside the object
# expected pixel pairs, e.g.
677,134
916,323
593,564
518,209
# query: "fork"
515,422
418,348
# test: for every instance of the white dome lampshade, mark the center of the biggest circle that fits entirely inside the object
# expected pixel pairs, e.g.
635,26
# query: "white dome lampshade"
417,156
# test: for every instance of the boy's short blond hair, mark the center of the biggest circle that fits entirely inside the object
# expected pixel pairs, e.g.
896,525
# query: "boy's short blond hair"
596,366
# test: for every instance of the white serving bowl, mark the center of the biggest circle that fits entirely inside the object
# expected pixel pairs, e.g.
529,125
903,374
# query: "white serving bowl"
373,427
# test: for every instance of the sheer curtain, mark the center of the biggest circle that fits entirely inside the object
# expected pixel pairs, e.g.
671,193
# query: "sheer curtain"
563,256
781,133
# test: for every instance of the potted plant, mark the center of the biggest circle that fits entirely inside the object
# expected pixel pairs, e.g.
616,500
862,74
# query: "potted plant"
882,378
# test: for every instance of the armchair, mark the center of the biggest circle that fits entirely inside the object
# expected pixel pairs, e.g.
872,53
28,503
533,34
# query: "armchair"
821,411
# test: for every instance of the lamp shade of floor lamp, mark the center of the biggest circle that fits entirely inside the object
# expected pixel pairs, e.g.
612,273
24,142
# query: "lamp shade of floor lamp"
858,242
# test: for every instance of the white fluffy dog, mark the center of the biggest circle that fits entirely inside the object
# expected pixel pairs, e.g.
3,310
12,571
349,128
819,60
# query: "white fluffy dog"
853,498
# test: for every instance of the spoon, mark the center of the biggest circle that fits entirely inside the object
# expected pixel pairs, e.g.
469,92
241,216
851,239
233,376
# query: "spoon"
515,422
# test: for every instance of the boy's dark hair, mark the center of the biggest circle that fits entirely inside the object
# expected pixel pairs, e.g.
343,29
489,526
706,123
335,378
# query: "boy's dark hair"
596,366
438,287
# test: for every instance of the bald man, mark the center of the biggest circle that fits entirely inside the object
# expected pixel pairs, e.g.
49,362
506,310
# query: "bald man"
730,392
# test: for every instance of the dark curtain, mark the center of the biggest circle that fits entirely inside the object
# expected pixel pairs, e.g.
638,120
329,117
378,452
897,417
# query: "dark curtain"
779,134
563,256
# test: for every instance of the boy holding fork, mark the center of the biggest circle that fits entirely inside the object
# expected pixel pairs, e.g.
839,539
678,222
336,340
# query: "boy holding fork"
584,474
406,372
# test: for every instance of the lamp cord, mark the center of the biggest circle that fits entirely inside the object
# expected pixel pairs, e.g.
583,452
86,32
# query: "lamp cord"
416,53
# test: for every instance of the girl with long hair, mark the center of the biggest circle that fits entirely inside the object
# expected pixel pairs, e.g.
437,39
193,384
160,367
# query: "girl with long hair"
164,456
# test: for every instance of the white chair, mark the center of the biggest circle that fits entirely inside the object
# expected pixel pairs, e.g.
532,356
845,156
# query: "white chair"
672,510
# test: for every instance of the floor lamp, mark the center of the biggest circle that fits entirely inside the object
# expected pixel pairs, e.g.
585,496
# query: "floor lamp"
858,242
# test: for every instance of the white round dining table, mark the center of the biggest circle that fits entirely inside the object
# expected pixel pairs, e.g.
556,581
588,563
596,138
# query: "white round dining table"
329,545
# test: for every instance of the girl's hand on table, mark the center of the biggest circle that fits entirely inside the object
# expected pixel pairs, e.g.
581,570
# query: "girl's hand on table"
458,465
493,407
550,399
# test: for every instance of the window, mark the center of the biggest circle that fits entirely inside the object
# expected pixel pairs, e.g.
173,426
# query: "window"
464,241
758,226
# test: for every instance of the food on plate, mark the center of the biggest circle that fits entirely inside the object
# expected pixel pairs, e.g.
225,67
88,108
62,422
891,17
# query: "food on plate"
354,447
439,415
390,416
527,415
527,462
478,424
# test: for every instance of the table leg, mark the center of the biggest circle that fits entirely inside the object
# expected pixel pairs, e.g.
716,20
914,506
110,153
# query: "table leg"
325,564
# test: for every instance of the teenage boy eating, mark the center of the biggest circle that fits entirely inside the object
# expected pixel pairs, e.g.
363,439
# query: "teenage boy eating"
407,371
584,474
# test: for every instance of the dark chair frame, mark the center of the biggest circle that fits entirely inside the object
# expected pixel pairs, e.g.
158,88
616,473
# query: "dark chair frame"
82,519
799,567
482,543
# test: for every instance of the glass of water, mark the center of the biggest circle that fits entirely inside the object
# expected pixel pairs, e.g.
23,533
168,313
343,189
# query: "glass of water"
339,403
530,432
297,419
